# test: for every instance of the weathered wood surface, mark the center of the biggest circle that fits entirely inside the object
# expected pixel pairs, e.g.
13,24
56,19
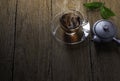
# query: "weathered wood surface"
33,41
7,29
28,51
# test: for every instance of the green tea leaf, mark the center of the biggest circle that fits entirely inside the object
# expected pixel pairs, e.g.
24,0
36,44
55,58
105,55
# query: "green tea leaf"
93,5
106,12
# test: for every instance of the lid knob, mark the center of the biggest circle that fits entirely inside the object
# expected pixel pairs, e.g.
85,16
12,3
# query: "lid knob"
106,28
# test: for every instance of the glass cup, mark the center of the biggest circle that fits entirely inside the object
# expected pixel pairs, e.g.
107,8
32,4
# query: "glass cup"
70,27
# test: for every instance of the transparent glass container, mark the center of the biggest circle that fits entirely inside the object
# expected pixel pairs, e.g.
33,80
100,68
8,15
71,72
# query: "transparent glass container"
70,27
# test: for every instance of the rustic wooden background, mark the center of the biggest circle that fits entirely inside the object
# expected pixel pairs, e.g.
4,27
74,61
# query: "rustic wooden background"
28,52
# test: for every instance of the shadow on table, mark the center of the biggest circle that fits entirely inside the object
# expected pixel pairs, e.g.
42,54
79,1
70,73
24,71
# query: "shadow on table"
106,48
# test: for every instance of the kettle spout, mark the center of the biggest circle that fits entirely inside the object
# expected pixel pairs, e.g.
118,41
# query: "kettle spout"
96,39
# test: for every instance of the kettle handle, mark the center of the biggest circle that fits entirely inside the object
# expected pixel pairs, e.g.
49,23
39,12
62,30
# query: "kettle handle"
116,40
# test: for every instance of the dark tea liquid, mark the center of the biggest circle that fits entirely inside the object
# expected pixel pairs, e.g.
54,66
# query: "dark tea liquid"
71,25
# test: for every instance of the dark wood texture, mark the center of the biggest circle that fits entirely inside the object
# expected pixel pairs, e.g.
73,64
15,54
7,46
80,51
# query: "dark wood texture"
7,25
28,51
33,40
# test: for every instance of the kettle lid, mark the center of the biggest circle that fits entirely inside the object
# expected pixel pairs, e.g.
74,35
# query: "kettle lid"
104,29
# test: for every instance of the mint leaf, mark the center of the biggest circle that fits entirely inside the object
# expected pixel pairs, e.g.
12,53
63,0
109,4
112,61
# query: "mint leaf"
93,5
106,12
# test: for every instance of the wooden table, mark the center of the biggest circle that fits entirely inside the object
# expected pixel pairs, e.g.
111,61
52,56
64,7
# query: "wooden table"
28,51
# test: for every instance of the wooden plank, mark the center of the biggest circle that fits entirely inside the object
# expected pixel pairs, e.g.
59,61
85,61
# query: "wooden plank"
70,63
33,41
7,25
105,57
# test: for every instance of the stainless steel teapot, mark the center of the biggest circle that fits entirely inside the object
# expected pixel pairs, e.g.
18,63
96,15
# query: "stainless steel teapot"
104,31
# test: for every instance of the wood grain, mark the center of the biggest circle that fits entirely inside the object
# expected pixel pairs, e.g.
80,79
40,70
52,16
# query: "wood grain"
105,57
33,41
70,63
7,25
28,51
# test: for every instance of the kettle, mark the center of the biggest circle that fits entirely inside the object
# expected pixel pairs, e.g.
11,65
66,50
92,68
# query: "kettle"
104,31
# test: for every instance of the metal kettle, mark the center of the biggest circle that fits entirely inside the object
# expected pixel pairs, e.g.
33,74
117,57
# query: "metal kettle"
104,31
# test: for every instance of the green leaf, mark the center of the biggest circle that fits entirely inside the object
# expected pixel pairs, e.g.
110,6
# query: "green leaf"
93,5
106,12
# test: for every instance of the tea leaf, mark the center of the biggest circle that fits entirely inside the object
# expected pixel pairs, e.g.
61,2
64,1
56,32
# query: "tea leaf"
106,12
93,5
